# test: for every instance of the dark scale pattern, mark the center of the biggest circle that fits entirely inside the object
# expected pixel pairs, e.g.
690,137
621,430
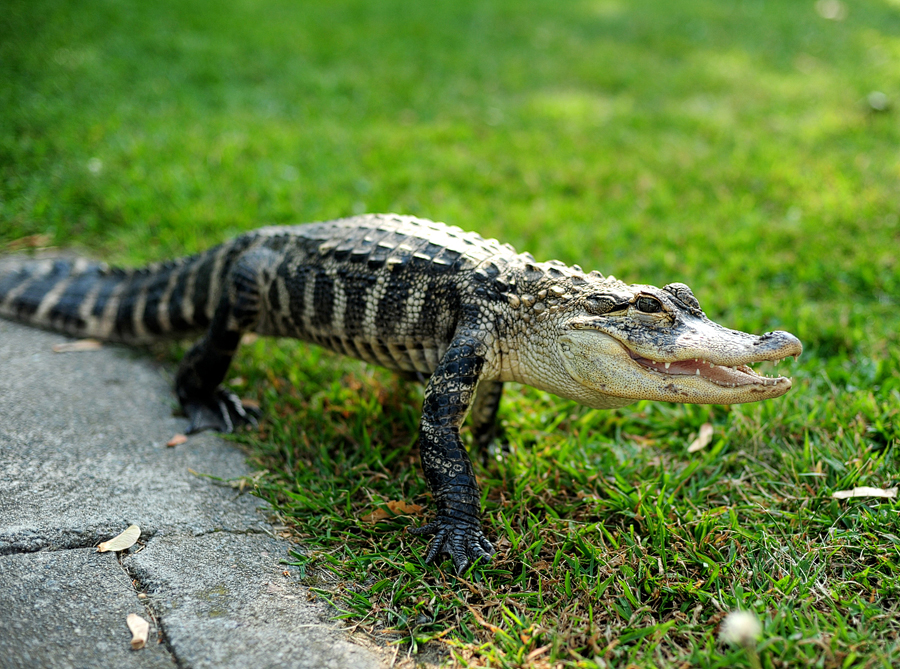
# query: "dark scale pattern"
442,300
28,301
155,293
391,309
107,286
203,286
65,313
323,300
357,289
176,315
295,285
124,319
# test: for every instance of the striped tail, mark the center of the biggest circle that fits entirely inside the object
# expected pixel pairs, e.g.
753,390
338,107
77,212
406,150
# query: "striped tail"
136,306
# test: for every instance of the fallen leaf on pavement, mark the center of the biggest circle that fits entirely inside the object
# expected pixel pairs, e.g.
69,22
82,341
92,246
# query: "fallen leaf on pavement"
125,540
176,440
80,345
140,630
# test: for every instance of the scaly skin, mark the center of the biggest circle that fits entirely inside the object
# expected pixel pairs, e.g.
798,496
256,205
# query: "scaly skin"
423,299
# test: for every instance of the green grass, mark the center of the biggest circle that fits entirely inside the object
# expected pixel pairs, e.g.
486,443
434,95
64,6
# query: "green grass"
726,145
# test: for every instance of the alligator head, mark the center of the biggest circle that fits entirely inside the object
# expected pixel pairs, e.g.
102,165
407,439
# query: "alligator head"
619,343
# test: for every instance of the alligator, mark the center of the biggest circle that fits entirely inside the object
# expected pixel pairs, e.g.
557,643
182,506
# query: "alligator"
424,299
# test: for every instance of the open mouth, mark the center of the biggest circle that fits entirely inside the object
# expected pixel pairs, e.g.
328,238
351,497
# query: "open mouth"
722,375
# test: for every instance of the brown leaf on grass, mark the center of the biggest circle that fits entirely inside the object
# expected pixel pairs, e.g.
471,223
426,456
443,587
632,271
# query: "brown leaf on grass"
536,653
176,440
865,491
140,630
80,345
394,508
481,621
29,242
639,439
119,543
703,439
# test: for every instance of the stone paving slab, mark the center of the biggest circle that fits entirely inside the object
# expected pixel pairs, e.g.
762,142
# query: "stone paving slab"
82,456
83,450
239,590
68,609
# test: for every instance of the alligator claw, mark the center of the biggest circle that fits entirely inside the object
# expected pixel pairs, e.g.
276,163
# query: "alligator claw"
222,412
464,543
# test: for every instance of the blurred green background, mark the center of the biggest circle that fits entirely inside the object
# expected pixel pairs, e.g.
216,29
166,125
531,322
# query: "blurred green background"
750,149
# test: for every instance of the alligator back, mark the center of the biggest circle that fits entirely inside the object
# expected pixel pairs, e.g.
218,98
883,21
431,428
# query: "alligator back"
361,286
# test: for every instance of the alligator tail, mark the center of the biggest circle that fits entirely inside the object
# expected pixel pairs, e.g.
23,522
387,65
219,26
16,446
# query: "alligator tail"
136,306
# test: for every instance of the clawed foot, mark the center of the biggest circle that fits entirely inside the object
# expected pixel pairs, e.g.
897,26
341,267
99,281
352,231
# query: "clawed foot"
222,412
464,542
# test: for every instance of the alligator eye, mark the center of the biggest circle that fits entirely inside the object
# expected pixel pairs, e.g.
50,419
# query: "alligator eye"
648,305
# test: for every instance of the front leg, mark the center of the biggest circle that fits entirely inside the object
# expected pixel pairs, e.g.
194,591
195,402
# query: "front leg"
485,429
448,470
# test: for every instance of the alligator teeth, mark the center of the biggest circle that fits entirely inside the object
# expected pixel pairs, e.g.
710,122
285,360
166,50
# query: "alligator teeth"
668,364
712,365
698,372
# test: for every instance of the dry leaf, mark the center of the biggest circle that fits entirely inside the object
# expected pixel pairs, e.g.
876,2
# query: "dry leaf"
176,440
536,653
140,630
80,345
29,242
394,508
865,491
125,540
703,439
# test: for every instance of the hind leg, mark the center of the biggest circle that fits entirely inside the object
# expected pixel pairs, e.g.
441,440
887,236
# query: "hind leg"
202,370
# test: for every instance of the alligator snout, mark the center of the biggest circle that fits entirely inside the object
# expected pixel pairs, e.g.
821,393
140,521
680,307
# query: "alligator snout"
784,343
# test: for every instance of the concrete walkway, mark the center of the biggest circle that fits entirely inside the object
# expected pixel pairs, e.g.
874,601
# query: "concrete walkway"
82,456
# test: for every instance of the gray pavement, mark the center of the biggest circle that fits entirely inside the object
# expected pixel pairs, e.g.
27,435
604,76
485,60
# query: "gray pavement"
82,456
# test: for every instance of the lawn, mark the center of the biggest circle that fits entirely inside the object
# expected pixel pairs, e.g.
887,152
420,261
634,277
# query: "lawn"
750,149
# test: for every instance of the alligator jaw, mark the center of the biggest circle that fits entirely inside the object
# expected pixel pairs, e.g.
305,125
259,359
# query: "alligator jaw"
727,376
703,364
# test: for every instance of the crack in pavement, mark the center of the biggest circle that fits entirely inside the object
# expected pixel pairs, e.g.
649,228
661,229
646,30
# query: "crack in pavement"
147,602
